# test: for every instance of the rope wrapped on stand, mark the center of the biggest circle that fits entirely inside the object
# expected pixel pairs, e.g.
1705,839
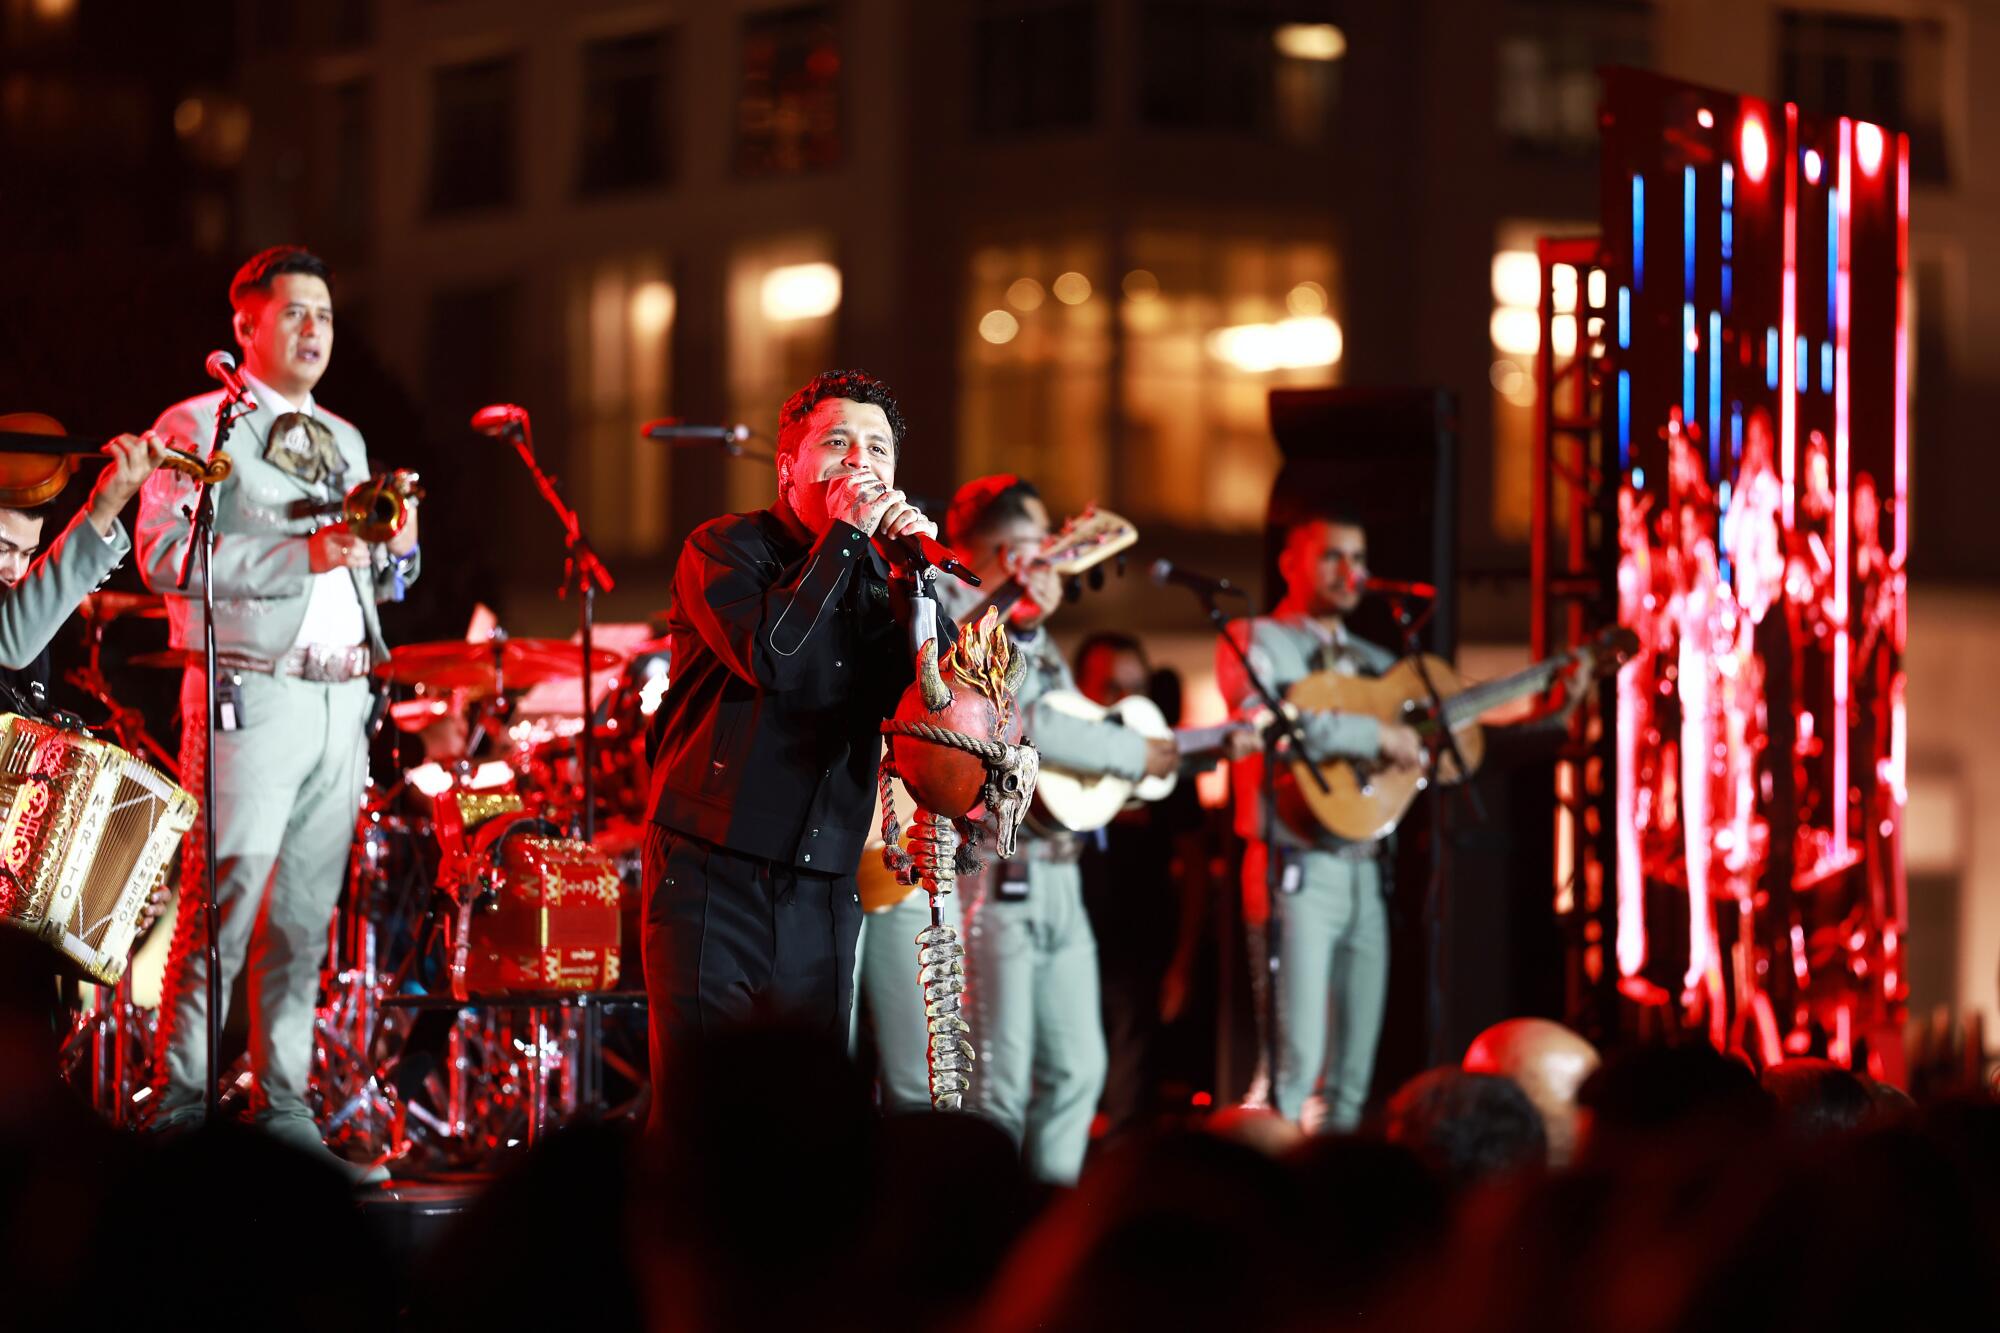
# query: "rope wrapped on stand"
937,851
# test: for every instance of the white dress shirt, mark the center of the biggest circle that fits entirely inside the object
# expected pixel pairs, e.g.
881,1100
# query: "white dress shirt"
333,609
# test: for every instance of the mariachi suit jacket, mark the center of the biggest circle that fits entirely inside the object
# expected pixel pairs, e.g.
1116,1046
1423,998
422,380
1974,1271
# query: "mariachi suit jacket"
263,575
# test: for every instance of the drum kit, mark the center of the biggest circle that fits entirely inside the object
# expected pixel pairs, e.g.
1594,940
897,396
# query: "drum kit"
482,980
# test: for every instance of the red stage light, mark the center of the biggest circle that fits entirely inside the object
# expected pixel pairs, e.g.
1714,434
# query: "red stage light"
1868,147
1754,144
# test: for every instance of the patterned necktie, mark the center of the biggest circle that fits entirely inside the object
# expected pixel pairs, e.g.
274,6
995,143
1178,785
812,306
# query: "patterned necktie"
303,447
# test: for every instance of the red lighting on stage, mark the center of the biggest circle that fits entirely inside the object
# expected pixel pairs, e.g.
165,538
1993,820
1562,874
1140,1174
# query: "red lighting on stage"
1868,147
1760,730
1755,146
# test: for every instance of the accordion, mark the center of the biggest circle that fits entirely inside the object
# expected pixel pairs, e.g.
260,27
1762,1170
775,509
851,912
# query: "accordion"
87,836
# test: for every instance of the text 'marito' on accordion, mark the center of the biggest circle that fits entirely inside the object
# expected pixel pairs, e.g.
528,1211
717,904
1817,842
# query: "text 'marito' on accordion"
88,834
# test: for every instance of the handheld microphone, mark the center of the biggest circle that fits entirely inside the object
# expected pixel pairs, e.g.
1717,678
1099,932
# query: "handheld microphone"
499,419
675,431
1166,571
1401,588
917,550
221,367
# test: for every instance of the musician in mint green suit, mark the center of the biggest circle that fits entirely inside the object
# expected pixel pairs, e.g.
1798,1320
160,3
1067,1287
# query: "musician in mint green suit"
297,633
1031,960
1331,915
37,594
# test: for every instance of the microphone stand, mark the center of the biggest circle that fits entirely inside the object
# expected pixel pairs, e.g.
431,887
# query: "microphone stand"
201,546
1284,730
585,575
1437,898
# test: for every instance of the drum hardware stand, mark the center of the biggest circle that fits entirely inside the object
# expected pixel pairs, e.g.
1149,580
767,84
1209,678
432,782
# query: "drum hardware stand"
127,724
201,549
119,1065
585,576
348,1026
104,1055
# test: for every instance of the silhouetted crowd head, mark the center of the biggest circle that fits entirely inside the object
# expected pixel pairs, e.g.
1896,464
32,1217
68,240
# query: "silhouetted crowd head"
1534,1189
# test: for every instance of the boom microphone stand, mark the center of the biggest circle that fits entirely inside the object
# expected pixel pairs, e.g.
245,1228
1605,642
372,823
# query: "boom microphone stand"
583,574
1283,731
201,546
1437,897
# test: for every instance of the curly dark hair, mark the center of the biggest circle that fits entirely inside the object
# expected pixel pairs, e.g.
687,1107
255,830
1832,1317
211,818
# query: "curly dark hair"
263,268
858,385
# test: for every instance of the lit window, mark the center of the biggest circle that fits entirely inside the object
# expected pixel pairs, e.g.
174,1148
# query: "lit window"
1516,330
1034,384
788,104
1205,328
783,298
1202,354
799,291
621,319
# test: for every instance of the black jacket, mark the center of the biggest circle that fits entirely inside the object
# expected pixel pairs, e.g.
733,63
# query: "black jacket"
786,659
25,690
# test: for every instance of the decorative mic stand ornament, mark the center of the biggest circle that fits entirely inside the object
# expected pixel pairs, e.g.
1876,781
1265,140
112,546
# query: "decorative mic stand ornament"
956,744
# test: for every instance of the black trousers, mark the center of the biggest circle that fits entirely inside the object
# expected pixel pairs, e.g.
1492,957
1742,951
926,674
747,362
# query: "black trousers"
733,940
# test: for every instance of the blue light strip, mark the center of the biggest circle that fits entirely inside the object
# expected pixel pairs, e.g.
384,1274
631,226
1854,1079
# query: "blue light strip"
1802,372
1735,429
1832,259
1687,363
1714,393
1724,564
1638,233
1728,235
1625,421
1826,367
1624,317
1687,234
1771,357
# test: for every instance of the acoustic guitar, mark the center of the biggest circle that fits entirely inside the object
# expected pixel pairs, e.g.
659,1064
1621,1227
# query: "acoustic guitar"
1075,802
1366,800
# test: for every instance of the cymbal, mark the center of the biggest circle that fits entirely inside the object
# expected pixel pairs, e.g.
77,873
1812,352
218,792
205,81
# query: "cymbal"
113,605
512,664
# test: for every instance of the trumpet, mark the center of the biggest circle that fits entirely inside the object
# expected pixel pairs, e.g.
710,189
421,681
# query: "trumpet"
374,510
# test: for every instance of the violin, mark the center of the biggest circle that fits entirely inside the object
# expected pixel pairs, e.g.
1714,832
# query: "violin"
38,457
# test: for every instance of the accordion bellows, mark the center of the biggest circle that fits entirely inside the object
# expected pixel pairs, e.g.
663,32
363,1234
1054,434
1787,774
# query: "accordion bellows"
88,834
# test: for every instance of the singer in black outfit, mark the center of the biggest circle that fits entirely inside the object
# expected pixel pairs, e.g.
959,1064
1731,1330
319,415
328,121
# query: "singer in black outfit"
789,649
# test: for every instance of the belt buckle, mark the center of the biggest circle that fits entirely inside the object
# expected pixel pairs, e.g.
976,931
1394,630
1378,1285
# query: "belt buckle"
325,665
